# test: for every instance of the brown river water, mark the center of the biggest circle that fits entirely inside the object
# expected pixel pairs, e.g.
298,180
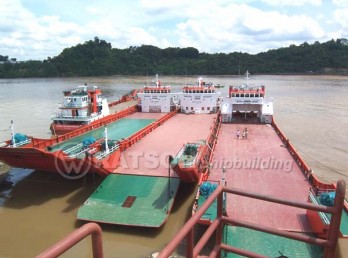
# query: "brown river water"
37,209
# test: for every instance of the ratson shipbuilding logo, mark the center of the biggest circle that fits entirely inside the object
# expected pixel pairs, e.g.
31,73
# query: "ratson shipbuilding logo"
72,161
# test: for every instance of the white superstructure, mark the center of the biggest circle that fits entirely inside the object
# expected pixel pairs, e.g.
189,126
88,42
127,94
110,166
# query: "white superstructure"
81,105
199,99
156,99
247,101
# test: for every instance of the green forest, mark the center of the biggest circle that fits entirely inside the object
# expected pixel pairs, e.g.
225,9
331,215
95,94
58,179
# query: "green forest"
97,58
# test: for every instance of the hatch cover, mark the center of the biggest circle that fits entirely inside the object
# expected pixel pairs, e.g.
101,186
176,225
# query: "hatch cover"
129,201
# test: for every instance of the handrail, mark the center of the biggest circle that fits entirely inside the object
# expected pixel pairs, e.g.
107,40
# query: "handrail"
106,153
72,239
217,225
73,148
21,143
211,140
316,183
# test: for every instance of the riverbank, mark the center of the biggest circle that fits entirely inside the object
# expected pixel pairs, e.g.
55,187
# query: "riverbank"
324,71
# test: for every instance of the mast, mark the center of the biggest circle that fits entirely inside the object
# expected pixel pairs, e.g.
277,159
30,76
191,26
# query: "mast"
158,82
223,183
247,77
200,82
12,134
106,139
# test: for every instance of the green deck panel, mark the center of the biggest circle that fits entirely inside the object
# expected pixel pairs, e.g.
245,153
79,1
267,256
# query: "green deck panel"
344,219
211,213
344,222
148,210
267,244
117,130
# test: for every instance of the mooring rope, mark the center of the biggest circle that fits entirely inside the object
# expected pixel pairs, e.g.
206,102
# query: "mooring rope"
322,164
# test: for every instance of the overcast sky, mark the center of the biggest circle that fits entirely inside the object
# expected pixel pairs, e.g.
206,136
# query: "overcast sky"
37,29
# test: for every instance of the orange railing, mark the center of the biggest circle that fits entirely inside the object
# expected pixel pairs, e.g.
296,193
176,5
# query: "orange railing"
69,241
131,95
187,232
317,185
211,141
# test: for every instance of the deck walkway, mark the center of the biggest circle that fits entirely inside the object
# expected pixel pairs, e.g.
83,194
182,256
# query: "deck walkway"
149,157
263,165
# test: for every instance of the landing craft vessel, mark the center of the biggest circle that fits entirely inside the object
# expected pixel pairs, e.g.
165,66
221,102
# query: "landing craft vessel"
252,154
82,106
66,151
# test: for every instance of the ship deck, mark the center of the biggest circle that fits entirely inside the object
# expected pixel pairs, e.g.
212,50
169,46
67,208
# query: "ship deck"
267,244
149,157
131,200
261,164
142,190
117,130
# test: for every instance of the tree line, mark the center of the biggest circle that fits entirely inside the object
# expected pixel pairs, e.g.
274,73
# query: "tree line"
97,58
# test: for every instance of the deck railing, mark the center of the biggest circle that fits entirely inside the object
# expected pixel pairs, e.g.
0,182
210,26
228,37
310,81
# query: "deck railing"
211,142
192,250
105,153
317,185
69,241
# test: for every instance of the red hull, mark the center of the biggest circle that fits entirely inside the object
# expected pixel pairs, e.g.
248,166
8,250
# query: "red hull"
42,160
58,129
35,155
187,174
